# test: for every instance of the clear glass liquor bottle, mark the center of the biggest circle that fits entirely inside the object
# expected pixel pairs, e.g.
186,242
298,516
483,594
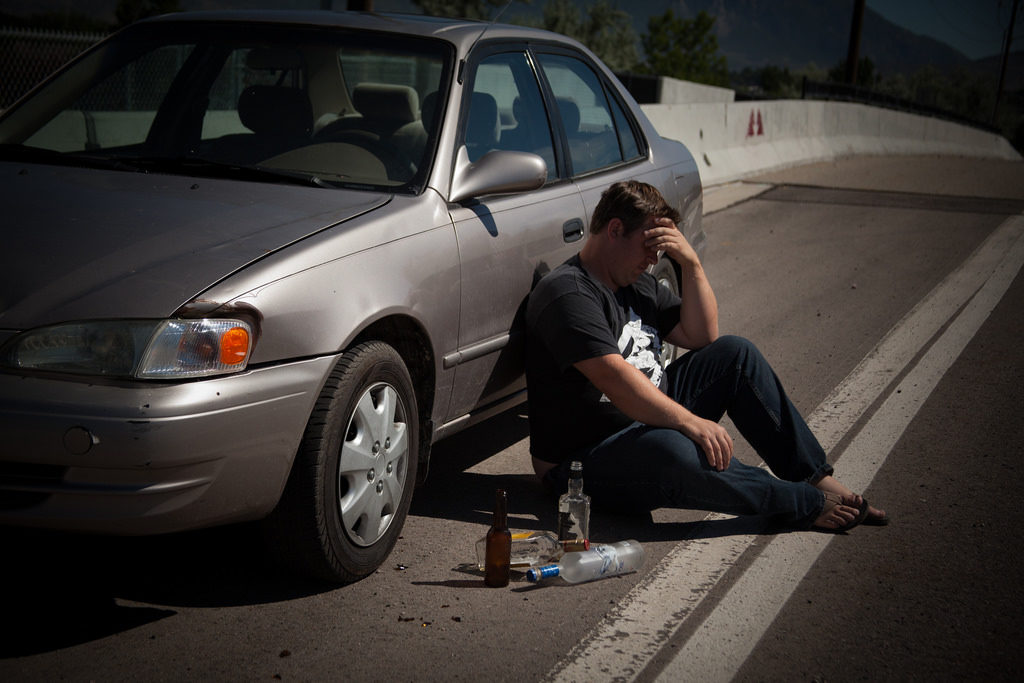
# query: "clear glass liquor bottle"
574,507
532,548
597,563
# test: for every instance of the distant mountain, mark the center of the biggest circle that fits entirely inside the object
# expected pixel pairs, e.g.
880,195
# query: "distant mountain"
795,33
751,33
792,33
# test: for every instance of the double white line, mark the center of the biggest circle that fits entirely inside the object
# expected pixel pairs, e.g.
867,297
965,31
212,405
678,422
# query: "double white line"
940,326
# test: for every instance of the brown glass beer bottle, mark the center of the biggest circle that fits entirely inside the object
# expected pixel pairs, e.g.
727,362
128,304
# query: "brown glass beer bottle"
499,544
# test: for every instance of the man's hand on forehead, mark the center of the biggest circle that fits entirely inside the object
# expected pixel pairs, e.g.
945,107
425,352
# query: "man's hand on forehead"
663,235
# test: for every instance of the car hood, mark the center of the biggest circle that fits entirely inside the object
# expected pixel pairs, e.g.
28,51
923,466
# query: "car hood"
86,244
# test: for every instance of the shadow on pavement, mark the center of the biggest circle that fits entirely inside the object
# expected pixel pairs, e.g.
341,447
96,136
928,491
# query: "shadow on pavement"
64,589
452,492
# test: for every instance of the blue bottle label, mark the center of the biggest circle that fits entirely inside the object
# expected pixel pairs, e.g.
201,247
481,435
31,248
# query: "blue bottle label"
609,560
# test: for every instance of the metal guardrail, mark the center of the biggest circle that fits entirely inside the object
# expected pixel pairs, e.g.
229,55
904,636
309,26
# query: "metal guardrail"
27,56
817,90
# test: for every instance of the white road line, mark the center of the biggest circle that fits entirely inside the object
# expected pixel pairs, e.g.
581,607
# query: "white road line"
625,641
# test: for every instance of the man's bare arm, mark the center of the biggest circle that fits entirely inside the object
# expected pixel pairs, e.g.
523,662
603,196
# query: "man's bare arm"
698,316
634,394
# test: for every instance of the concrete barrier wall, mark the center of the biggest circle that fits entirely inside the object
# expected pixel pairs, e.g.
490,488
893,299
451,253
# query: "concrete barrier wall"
731,140
675,91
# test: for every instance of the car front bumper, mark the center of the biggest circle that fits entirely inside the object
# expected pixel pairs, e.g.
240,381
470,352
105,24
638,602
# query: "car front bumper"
143,458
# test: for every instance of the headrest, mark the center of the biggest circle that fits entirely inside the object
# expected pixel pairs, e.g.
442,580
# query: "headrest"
519,110
570,113
428,110
483,127
380,101
275,110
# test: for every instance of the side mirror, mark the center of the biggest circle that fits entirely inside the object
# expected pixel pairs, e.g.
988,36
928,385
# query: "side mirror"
497,172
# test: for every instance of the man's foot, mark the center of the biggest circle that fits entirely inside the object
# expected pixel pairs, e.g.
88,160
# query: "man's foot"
840,513
830,484
876,517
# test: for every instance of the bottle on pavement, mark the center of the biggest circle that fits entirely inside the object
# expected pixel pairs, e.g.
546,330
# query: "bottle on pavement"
574,507
532,548
597,563
498,544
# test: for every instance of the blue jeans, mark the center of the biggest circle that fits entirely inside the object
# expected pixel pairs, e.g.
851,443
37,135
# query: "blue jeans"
641,468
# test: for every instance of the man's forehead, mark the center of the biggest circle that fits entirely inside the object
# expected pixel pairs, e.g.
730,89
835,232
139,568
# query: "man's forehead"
648,223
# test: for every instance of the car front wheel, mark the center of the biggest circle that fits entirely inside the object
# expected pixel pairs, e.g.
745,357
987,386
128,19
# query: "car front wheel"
352,481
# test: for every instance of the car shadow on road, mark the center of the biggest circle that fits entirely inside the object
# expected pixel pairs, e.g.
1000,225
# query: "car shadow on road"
63,589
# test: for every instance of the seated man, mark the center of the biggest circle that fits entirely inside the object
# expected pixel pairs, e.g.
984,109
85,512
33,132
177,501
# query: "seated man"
650,438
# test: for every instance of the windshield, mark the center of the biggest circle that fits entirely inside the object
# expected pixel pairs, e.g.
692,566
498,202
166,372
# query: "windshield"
324,107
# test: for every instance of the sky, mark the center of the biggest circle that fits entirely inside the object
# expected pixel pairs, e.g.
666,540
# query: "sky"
974,27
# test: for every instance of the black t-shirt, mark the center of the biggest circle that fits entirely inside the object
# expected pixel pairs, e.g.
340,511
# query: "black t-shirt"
571,317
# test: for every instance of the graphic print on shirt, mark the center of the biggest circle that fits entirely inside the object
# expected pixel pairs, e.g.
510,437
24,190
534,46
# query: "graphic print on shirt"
640,345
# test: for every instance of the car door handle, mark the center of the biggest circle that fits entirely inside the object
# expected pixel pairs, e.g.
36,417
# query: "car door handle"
572,230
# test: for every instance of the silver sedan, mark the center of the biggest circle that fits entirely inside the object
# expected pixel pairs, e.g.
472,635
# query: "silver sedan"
255,264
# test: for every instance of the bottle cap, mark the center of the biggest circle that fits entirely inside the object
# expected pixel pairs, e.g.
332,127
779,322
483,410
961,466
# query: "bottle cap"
575,544
537,573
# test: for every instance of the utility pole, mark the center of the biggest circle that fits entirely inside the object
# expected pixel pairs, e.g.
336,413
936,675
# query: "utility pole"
1006,56
853,53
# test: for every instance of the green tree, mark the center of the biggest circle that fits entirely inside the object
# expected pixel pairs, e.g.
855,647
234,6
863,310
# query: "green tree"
607,31
685,49
129,11
563,16
867,75
465,9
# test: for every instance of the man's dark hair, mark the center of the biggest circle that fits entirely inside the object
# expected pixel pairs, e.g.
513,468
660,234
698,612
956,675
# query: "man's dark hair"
632,202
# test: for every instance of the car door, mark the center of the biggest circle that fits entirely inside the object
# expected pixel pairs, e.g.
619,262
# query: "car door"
506,242
603,142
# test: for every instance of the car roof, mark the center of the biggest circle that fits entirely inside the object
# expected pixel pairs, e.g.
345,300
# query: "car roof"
461,32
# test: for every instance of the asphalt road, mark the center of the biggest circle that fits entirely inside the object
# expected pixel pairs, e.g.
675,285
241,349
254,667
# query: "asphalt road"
818,265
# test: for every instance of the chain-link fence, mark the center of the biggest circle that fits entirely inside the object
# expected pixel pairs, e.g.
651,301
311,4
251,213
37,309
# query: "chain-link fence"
28,56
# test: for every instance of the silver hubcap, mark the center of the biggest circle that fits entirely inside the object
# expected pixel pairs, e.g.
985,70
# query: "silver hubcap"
371,474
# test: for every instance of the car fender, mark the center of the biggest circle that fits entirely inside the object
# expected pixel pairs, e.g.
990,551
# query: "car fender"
322,295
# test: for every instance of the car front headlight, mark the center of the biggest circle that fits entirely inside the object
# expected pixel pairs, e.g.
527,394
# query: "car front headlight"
145,349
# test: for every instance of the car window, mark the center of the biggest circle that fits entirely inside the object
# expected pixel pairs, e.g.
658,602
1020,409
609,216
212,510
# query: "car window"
627,137
318,107
118,111
506,110
367,116
596,127
244,68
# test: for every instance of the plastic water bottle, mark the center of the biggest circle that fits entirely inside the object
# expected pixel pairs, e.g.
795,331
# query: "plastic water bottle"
532,548
597,563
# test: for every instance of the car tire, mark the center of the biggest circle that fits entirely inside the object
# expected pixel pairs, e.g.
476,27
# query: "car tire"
665,273
352,481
